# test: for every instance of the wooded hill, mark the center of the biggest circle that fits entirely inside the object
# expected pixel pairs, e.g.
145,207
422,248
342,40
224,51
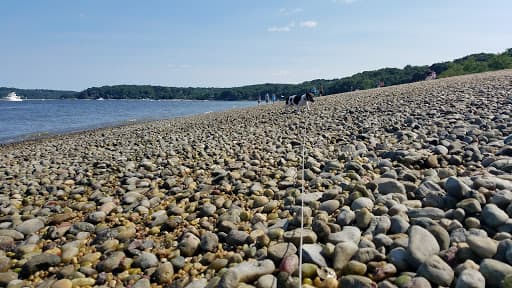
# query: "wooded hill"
474,63
38,93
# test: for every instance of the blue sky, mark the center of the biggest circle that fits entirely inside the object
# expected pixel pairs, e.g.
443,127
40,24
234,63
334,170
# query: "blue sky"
64,44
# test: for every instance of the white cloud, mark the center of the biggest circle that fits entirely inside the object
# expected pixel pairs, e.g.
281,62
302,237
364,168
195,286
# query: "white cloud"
289,27
344,1
286,28
290,11
309,24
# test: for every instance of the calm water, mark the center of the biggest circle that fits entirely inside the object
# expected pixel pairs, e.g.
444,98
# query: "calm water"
31,118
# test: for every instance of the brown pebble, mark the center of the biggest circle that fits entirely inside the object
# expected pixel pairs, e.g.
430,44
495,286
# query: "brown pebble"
62,283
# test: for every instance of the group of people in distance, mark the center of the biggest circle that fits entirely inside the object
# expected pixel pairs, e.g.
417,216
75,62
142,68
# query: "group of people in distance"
267,98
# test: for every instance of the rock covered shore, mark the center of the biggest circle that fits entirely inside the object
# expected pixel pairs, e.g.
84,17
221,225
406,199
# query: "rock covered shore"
406,186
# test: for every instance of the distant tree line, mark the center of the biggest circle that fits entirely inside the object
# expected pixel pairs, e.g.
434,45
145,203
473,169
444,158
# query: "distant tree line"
474,63
360,81
38,93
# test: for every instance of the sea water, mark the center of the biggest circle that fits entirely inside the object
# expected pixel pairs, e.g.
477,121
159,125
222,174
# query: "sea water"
35,118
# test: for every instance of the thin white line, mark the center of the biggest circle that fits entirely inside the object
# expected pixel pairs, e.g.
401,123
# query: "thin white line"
302,204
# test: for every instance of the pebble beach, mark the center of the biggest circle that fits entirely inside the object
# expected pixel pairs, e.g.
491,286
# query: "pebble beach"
404,186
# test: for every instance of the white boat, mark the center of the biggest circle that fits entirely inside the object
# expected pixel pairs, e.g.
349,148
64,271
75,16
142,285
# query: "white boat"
12,97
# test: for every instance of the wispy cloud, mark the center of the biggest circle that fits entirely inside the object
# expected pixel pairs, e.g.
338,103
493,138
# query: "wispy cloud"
286,28
291,26
179,66
290,11
344,1
309,24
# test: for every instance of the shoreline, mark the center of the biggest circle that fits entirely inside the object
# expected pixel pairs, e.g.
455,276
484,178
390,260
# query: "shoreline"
27,139
404,184
45,134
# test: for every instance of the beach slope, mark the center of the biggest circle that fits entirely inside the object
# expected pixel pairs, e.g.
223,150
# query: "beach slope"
403,185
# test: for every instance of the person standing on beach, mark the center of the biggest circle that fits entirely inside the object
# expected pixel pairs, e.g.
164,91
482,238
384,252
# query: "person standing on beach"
267,98
259,99
273,97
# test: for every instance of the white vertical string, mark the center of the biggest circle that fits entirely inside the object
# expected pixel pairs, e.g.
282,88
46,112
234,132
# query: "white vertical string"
302,203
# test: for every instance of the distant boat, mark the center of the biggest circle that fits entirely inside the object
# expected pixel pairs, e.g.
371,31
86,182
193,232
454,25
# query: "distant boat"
12,97
100,99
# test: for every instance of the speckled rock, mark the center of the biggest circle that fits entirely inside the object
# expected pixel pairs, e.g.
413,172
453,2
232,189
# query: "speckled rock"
343,253
483,247
278,251
189,244
494,271
421,245
163,274
436,271
30,226
145,260
493,216
267,281
6,277
246,272
386,186
209,241
353,281
470,278
347,234
39,262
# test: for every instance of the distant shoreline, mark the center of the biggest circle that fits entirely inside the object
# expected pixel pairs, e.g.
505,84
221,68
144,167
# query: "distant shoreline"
127,99
384,77
44,135
142,118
